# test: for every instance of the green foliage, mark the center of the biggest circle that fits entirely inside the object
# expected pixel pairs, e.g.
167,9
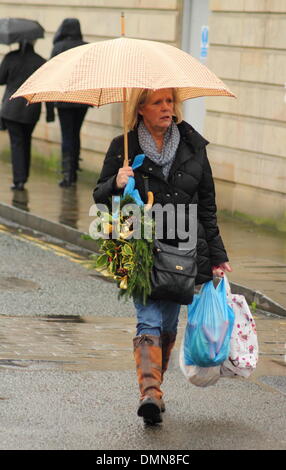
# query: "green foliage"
253,307
127,259
138,264
85,236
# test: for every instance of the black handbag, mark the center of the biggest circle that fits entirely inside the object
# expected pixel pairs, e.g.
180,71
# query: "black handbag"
174,271
173,274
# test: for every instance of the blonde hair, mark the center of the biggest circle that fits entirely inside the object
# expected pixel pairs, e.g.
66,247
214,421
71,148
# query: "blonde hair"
139,96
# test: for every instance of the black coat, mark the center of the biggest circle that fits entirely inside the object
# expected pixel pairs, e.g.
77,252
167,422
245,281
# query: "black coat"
66,37
15,68
190,181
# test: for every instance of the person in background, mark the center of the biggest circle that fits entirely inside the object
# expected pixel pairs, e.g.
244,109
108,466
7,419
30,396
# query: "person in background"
71,115
18,118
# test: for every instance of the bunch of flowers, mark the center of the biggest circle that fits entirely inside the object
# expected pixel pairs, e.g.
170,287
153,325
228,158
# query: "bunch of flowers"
128,257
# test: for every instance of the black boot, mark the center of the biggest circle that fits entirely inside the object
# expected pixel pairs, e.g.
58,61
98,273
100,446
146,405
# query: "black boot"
68,171
18,187
66,182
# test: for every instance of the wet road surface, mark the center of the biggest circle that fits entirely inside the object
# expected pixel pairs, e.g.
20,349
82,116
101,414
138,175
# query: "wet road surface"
258,257
70,383
102,343
78,338
68,378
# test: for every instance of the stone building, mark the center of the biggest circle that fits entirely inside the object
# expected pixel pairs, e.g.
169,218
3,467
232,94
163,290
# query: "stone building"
246,49
248,135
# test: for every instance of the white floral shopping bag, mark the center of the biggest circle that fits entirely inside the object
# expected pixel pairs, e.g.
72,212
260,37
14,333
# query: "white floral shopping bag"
243,354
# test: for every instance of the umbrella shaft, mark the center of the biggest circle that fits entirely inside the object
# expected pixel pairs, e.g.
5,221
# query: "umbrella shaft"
122,24
125,128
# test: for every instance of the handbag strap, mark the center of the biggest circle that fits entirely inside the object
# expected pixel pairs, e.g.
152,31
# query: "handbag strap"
146,185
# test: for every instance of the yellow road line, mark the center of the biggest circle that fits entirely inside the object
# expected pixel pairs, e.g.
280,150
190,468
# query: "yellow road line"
47,246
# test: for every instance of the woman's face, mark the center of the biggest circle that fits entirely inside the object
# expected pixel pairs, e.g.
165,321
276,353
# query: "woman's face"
158,110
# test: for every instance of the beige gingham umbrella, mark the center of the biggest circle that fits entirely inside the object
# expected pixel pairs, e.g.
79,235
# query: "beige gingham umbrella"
106,71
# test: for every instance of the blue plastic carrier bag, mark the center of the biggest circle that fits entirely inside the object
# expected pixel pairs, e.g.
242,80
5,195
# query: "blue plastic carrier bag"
209,327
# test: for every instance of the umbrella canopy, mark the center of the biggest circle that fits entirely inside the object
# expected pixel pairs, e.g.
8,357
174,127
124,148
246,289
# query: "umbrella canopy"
19,29
97,73
107,71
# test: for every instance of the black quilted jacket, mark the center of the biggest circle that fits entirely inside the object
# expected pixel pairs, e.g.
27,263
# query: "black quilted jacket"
190,181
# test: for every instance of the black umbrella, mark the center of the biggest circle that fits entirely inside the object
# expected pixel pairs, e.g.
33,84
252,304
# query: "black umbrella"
19,29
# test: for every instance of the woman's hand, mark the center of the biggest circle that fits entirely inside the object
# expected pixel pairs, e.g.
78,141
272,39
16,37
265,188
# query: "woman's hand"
122,176
221,269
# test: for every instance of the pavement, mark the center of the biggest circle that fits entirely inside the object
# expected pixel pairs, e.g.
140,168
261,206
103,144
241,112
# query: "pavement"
67,376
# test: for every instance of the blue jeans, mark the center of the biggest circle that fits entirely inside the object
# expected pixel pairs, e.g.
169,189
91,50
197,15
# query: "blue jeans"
156,317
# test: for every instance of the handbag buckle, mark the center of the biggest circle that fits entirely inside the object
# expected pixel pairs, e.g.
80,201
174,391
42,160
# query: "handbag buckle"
180,268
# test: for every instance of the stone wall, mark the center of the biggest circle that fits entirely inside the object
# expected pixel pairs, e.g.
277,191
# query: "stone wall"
247,51
248,134
100,20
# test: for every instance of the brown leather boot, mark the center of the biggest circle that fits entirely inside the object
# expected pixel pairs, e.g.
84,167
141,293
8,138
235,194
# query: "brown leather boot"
168,342
148,358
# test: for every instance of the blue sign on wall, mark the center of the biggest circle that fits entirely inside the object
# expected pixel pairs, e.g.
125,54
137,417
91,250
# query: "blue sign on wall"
204,42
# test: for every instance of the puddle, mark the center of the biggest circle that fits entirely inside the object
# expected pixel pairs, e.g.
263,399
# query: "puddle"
64,318
78,343
73,342
15,283
43,197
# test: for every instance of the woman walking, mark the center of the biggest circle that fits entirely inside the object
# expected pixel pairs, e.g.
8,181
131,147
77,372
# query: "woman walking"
178,172
71,115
